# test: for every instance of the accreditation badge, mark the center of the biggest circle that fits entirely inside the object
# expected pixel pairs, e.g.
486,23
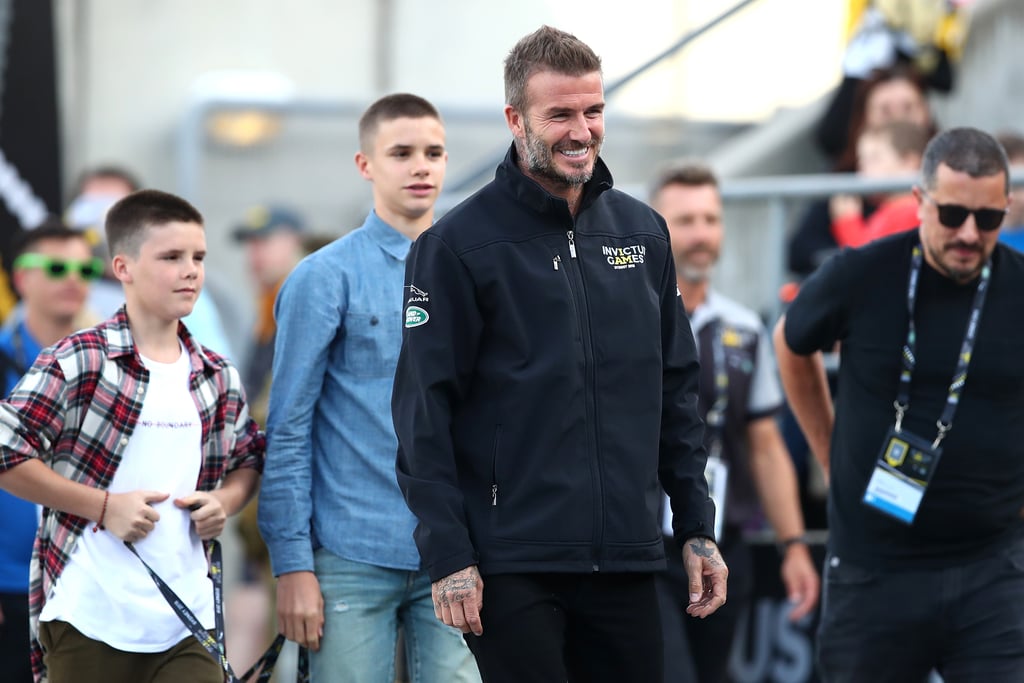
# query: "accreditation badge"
904,469
717,474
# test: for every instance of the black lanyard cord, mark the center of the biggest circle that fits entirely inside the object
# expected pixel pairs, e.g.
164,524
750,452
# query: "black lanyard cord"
214,644
956,386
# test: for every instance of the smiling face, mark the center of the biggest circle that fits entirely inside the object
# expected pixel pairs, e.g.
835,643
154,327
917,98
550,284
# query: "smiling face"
406,163
163,281
560,134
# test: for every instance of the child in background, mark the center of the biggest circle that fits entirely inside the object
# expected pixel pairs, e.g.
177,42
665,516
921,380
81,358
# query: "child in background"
890,150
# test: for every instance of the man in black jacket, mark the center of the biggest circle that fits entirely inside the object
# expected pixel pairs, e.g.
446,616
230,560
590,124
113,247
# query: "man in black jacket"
547,381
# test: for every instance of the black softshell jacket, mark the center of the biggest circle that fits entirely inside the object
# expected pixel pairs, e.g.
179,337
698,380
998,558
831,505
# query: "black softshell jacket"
547,379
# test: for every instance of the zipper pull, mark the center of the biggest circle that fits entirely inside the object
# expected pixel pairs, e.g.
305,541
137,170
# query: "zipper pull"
494,495
572,244
556,261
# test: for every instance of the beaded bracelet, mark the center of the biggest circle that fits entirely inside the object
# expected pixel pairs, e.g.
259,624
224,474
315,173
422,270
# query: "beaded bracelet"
103,513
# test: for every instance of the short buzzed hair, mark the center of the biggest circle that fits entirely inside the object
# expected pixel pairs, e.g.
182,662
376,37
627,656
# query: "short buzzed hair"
967,150
546,49
129,220
688,173
388,108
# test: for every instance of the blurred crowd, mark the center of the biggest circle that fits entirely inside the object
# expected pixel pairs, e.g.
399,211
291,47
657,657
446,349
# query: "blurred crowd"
57,279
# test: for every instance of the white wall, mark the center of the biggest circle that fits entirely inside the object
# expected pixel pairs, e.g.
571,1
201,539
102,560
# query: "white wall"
128,70
128,66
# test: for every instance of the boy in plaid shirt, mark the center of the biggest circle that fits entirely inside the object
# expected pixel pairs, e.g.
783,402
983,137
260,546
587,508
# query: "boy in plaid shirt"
130,431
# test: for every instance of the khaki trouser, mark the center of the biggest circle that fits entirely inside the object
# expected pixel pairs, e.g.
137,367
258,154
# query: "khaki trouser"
71,656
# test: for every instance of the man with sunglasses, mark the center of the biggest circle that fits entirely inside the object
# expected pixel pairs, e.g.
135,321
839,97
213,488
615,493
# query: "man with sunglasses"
53,266
925,566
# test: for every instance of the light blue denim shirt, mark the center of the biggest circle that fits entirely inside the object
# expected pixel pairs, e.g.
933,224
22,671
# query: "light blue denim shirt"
329,478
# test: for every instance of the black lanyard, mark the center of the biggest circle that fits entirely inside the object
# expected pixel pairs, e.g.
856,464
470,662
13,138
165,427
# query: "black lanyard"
715,418
956,386
215,644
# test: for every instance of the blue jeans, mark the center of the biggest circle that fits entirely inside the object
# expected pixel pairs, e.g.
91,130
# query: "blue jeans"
964,621
363,607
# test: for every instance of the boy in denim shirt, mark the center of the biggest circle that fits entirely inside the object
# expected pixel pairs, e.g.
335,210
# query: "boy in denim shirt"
338,530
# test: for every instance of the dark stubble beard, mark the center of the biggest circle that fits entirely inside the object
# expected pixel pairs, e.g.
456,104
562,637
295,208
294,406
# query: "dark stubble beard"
541,163
957,275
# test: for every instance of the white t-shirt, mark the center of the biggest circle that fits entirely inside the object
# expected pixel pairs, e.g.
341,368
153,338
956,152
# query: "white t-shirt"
104,591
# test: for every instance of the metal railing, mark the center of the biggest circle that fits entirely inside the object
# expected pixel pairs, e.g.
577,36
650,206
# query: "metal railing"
773,221
191,135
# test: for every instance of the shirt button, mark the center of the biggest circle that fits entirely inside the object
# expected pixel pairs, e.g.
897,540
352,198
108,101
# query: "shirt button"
139,391
124,440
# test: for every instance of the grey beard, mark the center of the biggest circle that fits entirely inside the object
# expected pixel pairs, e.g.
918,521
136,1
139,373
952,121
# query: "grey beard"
694,275
539,160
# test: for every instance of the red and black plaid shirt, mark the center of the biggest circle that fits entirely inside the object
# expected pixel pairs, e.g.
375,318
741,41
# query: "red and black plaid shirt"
77,407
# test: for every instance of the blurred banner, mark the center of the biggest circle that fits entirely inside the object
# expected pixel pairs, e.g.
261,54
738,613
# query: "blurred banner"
30,171
769,648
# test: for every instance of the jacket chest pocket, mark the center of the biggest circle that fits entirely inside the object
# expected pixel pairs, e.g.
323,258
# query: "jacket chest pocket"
372,342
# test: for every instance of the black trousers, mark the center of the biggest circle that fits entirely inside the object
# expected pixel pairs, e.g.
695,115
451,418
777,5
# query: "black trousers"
966,622
581,628
15,660
697,650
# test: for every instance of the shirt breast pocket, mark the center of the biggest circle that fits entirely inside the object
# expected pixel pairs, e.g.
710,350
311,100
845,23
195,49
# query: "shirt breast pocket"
372,342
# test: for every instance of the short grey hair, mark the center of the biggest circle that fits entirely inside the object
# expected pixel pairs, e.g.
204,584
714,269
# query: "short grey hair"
546,49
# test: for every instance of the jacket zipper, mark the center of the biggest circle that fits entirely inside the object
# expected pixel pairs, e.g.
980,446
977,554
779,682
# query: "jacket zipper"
591,410
494,466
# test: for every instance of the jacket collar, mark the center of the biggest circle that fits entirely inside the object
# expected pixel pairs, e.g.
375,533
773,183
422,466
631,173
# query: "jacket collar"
529,192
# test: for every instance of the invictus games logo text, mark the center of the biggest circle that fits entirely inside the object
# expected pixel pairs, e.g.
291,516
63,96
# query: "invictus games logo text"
624,257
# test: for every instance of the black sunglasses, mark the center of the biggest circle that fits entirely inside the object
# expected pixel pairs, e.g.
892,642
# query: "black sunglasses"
953,215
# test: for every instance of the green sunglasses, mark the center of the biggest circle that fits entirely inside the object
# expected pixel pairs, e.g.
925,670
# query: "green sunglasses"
58,269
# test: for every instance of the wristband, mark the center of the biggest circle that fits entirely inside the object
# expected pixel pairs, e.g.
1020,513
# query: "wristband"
785,543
